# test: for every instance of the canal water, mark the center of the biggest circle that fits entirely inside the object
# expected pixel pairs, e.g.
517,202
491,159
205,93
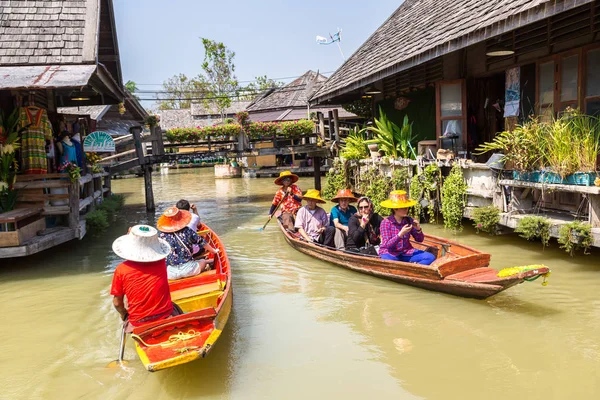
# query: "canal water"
301,328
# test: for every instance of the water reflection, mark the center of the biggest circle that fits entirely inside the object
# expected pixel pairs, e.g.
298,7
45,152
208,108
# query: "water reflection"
301,327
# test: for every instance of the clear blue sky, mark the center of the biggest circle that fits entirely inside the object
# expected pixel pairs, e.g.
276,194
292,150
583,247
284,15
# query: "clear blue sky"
158,38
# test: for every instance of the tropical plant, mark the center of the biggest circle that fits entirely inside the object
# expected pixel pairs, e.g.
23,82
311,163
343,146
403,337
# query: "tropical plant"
454,199
424,188
9,144
297,128
534,227
394,141
486,219
355,147
574,236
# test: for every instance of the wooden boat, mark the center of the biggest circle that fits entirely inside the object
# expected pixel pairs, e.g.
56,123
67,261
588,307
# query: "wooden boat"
458,269
206,300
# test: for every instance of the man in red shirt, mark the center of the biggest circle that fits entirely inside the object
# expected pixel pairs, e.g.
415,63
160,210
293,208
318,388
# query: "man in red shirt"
142,278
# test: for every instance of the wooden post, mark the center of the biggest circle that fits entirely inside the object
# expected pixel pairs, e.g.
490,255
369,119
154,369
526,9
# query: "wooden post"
74,206
594,200
317,167
336,125
330,116
107,184
137,140
321,125
148,186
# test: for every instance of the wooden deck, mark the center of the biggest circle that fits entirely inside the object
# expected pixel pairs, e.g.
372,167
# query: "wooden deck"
44,240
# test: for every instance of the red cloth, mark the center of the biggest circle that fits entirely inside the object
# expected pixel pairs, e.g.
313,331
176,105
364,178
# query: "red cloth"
146,287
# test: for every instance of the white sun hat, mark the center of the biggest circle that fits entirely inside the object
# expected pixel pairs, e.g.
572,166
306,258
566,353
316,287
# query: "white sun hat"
141,244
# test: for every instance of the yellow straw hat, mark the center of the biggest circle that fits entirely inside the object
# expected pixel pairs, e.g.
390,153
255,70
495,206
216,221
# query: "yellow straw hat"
286,174
398,199
313,194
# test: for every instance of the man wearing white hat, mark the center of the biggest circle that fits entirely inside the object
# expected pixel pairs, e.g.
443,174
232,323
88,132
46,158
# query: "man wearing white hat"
142,277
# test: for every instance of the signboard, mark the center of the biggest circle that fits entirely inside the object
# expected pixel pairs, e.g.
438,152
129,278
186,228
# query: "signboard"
99,142
513,92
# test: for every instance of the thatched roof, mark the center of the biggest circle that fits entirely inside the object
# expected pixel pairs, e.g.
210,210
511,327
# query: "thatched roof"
421,30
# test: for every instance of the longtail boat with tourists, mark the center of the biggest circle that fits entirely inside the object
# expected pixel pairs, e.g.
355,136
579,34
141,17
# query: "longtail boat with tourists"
205,299
458,269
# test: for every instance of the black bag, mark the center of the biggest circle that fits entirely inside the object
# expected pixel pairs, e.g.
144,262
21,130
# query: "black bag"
368,250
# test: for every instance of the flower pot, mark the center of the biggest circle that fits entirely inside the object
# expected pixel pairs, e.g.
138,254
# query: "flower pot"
373,150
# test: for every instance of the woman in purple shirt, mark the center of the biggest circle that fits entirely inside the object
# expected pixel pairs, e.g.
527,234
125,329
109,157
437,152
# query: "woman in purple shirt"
312,221
397,229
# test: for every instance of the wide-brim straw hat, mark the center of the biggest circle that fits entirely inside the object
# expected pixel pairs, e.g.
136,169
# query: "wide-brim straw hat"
286,174
398,199
173,220
313,194
141,244
344,194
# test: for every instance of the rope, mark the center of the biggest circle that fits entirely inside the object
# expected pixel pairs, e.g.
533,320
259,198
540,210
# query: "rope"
172,340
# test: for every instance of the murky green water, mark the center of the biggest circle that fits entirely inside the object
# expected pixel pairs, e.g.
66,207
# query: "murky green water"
301,328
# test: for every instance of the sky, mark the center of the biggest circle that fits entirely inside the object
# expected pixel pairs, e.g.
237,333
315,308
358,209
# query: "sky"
159,38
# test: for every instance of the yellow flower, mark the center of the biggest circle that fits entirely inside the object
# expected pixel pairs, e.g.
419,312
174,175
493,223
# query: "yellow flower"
7,149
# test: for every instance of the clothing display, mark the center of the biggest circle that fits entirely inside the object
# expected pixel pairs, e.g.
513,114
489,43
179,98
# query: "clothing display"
69,153
33,139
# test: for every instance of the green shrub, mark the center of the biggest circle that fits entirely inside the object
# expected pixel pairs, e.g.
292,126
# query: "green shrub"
454,199
377,187
486,219
574,236
97,221
533,228
425,187
334,180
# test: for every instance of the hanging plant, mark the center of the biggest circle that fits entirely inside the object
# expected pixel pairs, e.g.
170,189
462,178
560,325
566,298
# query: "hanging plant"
424,189
454,199
72,169
533,228
377,186
486,219
574,236
122,109
335,179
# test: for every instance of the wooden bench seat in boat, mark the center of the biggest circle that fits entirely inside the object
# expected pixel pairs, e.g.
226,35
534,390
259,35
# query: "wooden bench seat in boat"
477,275
205,313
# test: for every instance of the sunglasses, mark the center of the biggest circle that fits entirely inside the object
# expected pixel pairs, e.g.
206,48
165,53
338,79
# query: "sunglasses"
363,207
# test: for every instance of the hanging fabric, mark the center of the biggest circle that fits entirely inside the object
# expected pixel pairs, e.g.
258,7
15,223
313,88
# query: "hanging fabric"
33,140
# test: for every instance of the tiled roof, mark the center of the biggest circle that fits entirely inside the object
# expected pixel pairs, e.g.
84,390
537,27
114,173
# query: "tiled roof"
421,30
236,106
48,32
293,114
94,112
294,94
170,119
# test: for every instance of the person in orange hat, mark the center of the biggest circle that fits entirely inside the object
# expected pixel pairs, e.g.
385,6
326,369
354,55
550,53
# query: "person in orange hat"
340,215
173,227
290,197
397,229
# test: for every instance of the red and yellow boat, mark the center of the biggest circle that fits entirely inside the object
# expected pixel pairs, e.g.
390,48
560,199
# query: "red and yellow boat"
206,300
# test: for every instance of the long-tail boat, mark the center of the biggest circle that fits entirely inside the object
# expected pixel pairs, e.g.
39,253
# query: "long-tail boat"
206,301
458,269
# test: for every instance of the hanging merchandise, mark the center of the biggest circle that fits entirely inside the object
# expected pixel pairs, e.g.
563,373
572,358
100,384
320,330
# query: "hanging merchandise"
37,129
513,92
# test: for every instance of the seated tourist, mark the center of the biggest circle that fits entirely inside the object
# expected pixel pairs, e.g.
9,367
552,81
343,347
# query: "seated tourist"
290,197
142,278
363,228
185,205
173,225
312,221
397,229
340,215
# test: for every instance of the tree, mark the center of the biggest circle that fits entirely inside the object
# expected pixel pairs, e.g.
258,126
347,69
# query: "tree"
219,70
179,91
260,84
132,88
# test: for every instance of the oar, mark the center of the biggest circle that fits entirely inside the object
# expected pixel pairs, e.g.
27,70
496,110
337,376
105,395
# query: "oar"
274,211
118,362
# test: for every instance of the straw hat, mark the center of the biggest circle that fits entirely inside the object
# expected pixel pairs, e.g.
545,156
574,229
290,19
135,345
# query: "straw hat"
344,194
173,219
286,174
313,194
398,199
141,244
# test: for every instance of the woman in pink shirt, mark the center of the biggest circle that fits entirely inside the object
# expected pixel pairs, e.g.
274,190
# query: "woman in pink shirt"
397,229
312,221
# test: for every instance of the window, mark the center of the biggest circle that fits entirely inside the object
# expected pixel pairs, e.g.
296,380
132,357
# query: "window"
451,115
559,84
569,82
592,86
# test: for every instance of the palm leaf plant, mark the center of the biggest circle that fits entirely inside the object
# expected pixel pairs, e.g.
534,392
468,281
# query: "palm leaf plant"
9,143
355,147
394,141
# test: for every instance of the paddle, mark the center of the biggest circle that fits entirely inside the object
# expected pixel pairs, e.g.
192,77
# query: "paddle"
118,362
274,211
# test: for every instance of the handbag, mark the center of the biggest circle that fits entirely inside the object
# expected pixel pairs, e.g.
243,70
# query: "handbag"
368,250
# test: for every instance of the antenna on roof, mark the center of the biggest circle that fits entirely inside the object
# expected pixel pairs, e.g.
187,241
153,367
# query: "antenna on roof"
335,38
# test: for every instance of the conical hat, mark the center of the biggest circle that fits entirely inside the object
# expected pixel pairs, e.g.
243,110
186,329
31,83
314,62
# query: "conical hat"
141,244
286,174
398,199
344,194
313,194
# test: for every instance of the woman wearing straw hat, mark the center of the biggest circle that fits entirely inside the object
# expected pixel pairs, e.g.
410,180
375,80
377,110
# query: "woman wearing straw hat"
340,215
397,229
142,278
312,221
173,225
289,196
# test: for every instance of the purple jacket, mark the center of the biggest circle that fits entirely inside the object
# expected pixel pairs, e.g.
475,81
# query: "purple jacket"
394,245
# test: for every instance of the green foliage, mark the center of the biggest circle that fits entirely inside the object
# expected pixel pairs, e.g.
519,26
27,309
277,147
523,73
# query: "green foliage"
355,147
425,187
179,90
219,70
131,87
361,107
392,140
195,135
242,118
112,204
97,221
454,195
260,84
297,128
574,236
258,130
534,227
376,186
335,180
486,219
254,130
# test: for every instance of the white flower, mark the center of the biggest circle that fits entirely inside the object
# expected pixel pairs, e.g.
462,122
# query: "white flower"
3,185
7,149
